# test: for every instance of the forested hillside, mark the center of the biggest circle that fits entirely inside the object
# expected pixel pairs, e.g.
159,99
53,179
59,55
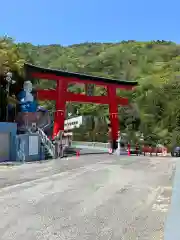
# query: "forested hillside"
155,105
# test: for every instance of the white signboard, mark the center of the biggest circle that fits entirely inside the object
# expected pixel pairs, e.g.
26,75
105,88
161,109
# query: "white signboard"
33,145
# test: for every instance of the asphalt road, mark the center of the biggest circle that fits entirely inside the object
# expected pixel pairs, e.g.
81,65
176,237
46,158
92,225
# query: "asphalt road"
90,198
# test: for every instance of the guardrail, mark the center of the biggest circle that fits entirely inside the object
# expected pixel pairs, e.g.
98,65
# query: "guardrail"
106,146
91,145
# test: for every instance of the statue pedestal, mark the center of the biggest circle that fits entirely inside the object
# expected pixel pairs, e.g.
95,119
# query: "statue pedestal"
25,120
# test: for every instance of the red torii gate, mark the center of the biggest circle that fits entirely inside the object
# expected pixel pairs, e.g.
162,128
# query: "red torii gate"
61,94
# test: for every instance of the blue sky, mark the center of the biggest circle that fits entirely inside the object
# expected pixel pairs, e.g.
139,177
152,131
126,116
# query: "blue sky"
74,21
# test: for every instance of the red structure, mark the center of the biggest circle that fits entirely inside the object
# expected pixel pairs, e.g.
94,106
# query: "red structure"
61,95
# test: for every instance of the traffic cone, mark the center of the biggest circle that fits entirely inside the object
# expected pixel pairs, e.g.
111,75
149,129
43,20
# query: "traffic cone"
129,150
110,151
77,153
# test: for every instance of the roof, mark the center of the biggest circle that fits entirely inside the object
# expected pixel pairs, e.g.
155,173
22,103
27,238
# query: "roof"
29,68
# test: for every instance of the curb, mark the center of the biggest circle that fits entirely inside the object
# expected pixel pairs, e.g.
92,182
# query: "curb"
173,218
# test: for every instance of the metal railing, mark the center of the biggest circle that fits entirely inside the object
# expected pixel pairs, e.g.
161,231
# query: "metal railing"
45,140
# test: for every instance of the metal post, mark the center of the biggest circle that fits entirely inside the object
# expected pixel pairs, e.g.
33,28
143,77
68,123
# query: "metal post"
9,81
118,151
7,96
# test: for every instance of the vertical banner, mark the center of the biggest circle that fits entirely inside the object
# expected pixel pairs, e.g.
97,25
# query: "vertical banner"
89,89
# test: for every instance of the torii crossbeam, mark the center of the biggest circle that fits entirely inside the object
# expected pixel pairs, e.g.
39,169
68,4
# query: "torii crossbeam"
61,95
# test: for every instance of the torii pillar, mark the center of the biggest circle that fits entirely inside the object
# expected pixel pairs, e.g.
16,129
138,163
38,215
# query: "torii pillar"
59,117
113,112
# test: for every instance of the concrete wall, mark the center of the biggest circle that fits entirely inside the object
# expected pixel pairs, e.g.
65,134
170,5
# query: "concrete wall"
8,140
28,147
13,147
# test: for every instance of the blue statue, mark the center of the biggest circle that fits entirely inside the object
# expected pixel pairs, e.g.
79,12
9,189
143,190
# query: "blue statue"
27,103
